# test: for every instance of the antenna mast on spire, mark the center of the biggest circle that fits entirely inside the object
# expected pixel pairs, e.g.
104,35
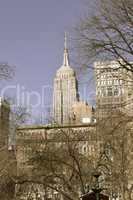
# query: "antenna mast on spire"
65,40
66,55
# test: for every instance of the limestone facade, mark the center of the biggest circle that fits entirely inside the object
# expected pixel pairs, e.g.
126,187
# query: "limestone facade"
114,86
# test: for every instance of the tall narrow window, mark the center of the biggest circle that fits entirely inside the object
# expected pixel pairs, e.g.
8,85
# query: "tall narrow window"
109,90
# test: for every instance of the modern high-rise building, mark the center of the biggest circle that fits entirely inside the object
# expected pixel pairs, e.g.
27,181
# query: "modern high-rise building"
65,92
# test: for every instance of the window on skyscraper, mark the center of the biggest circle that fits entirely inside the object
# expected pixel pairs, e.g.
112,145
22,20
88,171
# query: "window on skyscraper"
109,91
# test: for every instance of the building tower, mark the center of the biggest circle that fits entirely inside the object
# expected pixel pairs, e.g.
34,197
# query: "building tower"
65,92
4,122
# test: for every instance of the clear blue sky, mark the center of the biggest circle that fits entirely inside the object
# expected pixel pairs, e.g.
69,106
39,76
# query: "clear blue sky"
31,37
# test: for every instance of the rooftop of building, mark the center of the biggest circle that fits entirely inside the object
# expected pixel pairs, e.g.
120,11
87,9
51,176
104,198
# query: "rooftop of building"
53,126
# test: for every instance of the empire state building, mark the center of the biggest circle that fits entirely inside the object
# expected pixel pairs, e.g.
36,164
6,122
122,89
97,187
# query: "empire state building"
65,92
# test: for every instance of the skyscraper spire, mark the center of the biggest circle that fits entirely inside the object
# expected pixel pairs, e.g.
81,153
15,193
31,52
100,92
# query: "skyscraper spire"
66,54
65,40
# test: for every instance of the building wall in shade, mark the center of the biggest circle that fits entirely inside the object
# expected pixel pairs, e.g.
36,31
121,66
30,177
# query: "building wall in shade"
4,122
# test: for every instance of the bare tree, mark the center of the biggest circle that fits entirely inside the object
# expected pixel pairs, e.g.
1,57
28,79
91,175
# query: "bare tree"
19,115
108,33
115,160
6,71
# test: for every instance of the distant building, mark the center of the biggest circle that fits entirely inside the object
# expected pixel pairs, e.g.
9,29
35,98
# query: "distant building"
65,92
83,113
114,86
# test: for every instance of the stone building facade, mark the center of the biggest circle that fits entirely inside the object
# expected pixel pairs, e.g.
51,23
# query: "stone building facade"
38,138
113,88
